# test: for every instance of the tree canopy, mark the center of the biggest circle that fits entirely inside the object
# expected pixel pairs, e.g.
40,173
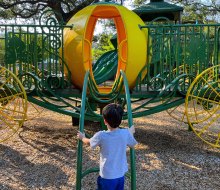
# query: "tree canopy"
201,10
64,9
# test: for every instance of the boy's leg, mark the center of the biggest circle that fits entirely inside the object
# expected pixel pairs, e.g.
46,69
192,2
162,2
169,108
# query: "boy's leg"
110,184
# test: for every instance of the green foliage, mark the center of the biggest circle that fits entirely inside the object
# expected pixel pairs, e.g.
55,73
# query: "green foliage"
29,8
101,41
19,50
2,51
101,45
201,11
6,14
194,10
139,2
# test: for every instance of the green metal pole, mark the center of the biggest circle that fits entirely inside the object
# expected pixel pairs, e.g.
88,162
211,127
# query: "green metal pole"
130,123
81,128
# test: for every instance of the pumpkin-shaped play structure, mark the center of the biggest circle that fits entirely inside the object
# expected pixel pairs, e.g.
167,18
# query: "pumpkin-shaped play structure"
131,42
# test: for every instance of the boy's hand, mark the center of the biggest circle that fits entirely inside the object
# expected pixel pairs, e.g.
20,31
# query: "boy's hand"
80,135
131,129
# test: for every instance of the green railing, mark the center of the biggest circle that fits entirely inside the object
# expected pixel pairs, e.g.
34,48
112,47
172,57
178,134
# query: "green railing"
175,55
36,49
177,49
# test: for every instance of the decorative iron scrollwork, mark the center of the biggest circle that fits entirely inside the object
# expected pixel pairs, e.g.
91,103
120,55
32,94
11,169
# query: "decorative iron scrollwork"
157,83
53,81
48,20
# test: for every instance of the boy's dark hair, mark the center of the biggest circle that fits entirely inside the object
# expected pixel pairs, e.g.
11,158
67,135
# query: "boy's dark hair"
112,113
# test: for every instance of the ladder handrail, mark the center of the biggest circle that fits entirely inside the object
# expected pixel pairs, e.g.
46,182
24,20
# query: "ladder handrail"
130,124
81,128
79,173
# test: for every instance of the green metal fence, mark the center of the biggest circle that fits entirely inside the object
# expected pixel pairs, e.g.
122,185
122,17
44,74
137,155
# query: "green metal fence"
175,55
177,49
36,49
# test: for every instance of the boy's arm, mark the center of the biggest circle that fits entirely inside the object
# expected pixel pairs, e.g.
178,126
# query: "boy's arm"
131,130
83,138
131,140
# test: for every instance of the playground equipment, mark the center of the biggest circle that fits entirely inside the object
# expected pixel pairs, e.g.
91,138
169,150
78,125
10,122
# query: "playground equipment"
77,41
106,67
13,101
159,67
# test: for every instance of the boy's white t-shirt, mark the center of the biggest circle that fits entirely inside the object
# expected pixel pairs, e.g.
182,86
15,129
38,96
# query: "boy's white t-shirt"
113,144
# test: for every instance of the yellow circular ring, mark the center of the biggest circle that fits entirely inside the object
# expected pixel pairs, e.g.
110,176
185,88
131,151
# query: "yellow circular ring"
13,104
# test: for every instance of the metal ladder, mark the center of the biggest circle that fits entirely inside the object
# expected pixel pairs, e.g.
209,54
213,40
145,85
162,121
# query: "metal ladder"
87,82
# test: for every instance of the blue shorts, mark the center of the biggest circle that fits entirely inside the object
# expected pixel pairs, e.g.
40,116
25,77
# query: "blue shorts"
110,184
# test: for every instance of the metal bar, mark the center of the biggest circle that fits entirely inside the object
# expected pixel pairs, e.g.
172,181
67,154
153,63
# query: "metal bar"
130,123
81,129
176,25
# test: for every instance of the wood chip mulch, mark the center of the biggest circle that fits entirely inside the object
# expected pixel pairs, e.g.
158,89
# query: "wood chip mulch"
168,157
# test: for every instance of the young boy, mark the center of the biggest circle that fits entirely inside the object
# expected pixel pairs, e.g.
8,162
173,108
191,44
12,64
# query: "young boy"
113,144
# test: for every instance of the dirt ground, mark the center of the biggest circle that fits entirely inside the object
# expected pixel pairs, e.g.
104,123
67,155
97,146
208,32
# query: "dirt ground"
168,157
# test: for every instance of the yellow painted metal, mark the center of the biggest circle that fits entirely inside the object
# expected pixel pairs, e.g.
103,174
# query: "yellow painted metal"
203,106
132,46
13,104
178,113
33,111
